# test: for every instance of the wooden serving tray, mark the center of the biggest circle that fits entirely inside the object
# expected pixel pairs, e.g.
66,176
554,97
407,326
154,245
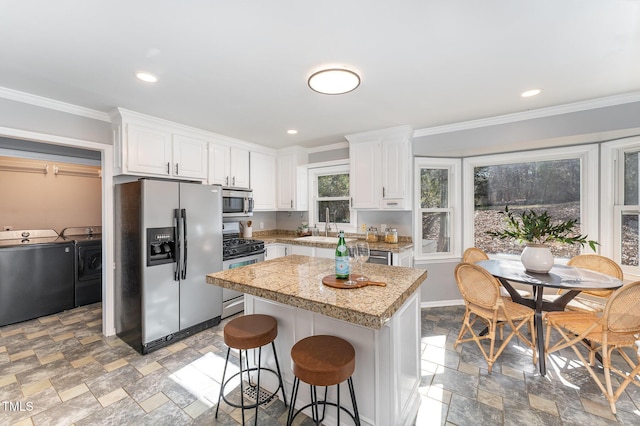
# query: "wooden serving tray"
332,281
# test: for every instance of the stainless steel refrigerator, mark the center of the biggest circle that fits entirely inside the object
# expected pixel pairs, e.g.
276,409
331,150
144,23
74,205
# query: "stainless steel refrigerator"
168,238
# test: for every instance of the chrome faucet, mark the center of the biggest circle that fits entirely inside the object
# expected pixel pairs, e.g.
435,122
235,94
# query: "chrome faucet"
327,224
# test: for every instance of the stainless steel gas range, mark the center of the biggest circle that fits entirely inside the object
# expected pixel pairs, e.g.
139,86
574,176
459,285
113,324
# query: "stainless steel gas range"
237,252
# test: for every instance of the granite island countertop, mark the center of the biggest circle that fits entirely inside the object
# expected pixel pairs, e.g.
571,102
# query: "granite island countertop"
297,281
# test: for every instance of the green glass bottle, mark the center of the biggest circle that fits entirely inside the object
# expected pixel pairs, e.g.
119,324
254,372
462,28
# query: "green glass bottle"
342,258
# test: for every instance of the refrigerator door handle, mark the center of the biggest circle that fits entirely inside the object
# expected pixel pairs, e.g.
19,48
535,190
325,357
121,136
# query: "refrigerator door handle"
176,214
183,213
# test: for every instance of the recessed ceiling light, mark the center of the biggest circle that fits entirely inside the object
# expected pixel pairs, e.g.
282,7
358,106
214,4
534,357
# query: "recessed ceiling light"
292,131
530,93
145,76
334,81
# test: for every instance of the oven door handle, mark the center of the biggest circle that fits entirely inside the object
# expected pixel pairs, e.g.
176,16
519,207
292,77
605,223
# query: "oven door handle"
176,216
184,233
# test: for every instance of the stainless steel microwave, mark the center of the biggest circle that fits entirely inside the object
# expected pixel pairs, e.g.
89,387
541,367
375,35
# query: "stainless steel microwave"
237,202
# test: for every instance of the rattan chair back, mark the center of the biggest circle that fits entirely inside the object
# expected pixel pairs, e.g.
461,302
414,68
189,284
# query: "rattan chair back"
597,263
622,312
473,255
477,286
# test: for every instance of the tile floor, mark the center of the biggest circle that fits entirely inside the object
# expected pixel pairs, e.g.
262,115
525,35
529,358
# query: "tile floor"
60,370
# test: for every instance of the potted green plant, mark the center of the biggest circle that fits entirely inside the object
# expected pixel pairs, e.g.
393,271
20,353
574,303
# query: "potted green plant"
537,230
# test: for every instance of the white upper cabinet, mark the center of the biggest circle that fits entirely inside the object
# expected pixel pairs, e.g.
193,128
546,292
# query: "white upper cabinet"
189,157
219,164
292,179
147,146
228,164
263,181
380,169
240,167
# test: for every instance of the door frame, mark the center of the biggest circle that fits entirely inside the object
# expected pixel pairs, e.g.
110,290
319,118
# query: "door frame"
106,159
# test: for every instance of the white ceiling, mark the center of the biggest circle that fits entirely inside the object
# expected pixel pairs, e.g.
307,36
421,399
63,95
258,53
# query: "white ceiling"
239,68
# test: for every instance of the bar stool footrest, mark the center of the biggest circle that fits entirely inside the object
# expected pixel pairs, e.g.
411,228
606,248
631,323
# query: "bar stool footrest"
258,400
325,403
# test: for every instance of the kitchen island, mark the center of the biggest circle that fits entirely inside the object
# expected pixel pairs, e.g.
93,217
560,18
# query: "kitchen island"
382,323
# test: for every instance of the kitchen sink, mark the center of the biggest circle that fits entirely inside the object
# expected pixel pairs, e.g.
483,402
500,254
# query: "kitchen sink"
327,240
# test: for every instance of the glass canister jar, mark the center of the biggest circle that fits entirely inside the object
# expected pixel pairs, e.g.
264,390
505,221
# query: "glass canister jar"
372,235
391,236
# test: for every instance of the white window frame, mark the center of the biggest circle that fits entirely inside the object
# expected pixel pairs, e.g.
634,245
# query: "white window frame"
454,166
589,185
323,169
612,206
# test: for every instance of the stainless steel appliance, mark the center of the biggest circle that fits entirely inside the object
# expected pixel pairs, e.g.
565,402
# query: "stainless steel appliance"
237,202
237,252
168,237
381,257
36,270
87,281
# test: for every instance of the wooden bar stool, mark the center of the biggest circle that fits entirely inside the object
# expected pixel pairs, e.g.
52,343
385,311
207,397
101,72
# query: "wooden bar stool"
323,361
244,333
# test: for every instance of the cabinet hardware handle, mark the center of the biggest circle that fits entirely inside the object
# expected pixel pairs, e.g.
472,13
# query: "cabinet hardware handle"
168,168
351,202
234,181
177,169
227,181
383,192
291,203
392,204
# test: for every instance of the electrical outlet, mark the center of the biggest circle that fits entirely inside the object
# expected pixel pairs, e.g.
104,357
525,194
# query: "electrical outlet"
7,228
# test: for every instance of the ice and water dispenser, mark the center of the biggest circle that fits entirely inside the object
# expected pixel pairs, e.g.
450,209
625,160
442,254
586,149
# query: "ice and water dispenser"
161,245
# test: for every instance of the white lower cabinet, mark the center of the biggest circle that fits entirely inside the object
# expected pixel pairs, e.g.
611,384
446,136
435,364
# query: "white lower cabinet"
404,258
273,251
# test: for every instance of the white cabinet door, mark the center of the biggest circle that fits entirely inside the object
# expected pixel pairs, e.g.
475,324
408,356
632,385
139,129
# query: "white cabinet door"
325,252
394,171
189,157
286,182
404,258
303,250
273,251
219,162
148,151
364,175
292,191
263,181
239,167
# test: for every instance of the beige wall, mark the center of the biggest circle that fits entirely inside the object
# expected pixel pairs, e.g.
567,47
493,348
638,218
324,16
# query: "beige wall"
31,199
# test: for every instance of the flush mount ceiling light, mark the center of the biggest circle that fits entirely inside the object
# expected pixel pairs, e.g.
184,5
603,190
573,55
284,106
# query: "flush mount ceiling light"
145,76
334,81
292,132
530,93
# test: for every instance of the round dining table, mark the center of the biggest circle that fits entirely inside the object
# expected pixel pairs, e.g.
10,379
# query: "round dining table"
561,277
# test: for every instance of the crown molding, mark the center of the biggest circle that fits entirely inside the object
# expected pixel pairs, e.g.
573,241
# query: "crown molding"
43,102
339,145
529,115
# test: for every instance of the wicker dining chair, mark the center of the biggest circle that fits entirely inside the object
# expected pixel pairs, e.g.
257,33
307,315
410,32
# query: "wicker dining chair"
597,298
474,254
615,329
481,293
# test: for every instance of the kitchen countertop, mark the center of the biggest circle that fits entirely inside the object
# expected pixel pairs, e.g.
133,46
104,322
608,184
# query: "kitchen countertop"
270,237
297,281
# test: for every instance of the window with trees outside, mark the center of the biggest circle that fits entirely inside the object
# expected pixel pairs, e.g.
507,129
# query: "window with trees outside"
623,157
330,190
551,181
436,198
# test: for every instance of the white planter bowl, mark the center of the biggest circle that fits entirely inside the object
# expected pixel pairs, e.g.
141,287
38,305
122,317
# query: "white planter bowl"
537,258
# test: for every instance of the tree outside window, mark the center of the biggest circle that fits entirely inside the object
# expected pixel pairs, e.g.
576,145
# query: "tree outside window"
552,186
